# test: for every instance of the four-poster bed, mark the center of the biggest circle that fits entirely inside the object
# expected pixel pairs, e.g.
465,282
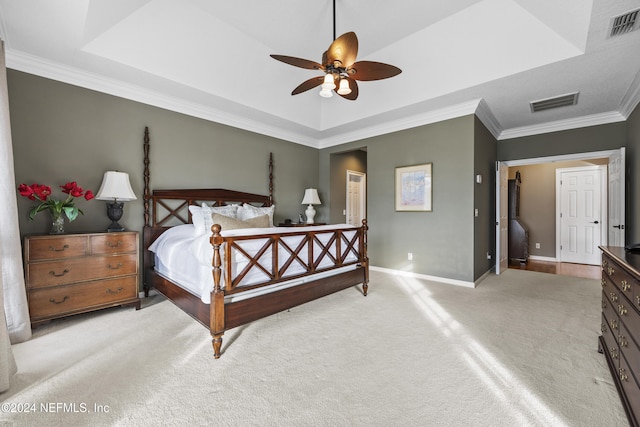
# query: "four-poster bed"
251,273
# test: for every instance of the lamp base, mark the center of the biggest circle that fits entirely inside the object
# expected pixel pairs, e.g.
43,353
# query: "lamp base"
114,212
114,227
310,213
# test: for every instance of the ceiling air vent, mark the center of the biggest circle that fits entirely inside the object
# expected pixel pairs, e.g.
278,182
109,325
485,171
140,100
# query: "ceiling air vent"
555,102
624,23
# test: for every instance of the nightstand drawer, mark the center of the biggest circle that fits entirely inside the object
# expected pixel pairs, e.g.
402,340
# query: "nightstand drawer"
70,298
52,273
41,248
113,243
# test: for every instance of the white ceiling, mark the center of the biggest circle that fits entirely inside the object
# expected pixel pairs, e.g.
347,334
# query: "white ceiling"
210,59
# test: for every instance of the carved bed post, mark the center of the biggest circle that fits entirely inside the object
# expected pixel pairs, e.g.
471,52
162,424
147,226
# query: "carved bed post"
146,255
365,257
216,315
146,176
270,179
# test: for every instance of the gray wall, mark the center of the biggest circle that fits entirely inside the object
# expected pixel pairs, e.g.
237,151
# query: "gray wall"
442,240
484,239
65,133
633,177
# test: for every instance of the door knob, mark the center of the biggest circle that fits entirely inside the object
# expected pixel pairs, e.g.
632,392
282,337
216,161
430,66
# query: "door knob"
620,227
595,222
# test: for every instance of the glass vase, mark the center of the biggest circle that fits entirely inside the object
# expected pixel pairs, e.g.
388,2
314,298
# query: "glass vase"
57,224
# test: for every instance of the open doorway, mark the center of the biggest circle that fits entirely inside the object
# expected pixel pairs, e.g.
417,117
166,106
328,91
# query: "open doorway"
347,190
543,226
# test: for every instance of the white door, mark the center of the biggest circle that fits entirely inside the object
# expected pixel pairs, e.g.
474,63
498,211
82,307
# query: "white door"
616,198
581,216
502,217
356,197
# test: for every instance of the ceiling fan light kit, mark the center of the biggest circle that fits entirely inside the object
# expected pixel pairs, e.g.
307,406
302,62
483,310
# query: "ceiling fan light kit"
338,64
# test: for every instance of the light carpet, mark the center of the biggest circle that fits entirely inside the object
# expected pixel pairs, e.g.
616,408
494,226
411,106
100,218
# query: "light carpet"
518,350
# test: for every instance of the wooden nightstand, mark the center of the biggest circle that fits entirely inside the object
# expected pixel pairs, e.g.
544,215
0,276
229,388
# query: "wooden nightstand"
75,273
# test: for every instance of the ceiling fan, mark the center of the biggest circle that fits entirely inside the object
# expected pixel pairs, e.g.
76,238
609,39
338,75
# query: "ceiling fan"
340,67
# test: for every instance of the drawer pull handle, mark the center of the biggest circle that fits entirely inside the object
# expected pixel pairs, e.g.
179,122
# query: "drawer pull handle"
622,341
116,267
622,310
625,285
614,296
58,302
638,299
614,353
53,273
117,291
603,282
117,245
51,248
603,328
610,271
613,323
604,263
623,374
604,305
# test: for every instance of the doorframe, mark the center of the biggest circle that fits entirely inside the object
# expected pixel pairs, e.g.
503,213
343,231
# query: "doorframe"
539,160
362,199
604,203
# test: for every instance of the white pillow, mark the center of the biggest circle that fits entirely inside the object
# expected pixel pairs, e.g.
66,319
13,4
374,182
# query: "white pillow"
249,211
201,216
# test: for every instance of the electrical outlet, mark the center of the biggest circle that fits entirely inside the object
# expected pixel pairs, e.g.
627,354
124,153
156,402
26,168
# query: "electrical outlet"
410,256
488,255
537,245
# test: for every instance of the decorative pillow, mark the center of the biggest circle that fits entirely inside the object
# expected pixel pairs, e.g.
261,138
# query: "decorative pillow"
197,219
228,223
201,216
249,211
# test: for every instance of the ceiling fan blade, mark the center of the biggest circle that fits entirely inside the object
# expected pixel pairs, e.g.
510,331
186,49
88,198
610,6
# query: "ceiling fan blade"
354,90
308,84
298,62
344,49
370,70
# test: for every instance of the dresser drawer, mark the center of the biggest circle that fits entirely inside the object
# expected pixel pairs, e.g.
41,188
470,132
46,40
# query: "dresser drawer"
57,247
52,273
630,386
619,277
609,312
111,243
70,298
610,341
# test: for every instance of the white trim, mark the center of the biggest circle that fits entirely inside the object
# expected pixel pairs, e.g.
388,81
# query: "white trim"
560,125
542,258
560,158
452,112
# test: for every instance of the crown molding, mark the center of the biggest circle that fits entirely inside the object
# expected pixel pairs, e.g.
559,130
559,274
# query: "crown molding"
408,122
632,98
560,125
487,118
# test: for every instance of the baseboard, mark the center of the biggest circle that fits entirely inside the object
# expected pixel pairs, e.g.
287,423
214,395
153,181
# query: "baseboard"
446,280
542,258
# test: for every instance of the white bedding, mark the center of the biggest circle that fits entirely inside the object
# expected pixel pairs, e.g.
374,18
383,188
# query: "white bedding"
185,258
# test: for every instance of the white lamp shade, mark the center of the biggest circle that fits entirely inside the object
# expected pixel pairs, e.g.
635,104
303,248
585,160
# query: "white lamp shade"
115,186
311,197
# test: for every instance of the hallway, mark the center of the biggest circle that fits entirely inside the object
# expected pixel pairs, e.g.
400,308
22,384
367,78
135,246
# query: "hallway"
561,268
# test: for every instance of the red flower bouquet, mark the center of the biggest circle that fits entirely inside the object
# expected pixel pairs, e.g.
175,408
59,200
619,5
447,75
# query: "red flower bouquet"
55,207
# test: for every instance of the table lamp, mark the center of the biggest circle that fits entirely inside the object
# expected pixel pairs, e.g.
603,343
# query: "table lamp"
310,198
116,189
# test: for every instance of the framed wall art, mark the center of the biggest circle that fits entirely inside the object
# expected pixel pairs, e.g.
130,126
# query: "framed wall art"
414,188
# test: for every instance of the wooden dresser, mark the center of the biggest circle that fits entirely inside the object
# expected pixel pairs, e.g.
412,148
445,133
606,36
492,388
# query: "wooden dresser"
620,339
75,273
